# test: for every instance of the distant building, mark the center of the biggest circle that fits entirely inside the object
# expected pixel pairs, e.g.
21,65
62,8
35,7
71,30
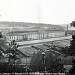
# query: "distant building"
34,34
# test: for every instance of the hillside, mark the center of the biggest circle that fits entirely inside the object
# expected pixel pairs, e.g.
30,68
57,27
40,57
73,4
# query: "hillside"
30,25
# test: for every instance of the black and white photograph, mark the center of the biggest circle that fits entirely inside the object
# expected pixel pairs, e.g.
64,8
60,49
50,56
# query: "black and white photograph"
37,37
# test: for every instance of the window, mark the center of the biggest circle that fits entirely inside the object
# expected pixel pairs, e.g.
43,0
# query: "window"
14,37
17,37
10,37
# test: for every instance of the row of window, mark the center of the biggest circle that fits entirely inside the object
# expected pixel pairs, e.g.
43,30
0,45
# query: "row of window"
15,37
36,36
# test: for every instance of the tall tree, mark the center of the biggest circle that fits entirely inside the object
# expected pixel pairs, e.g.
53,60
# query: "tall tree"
72,43
73,23
72,49
72,46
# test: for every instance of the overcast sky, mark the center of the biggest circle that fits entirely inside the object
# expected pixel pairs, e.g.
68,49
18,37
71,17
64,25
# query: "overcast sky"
37,11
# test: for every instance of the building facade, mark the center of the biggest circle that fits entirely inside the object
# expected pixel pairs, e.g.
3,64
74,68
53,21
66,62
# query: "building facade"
34,35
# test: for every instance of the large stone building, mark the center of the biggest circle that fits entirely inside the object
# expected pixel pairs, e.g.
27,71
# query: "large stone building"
34,34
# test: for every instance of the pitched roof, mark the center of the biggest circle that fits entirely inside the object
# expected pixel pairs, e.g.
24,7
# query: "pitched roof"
18,33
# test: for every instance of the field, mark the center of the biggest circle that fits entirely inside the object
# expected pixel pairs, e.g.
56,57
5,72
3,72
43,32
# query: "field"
30,50
63,43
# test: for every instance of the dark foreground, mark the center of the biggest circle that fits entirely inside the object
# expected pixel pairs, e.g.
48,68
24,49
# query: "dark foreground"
35,73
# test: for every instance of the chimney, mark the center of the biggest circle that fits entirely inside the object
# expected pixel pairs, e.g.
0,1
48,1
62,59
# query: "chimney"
67,27
66,33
